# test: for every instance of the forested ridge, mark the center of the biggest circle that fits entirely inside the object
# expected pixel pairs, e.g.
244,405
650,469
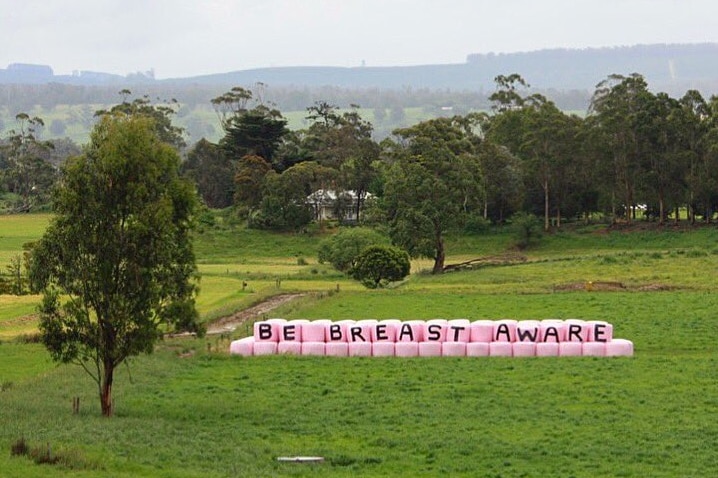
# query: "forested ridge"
521,157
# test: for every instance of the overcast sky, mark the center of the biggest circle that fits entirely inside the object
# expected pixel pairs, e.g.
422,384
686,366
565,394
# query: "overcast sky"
179,38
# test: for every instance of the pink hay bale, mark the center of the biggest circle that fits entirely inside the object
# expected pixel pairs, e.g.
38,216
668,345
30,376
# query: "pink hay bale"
385,331
600,331
594,349
570,349
410,331
314,331
547,349
430,349
313,348
619,348
382,349
477,349
458,330
268,330
360,349
501,349
291,331
244,347
337,331
528,330
434,331
406,349
552,330
360,331
504,330
336,349
265,348
482,331
289,348
524,349
577,330
453,349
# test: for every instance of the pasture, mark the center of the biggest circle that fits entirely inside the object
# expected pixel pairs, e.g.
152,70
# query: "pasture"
191,410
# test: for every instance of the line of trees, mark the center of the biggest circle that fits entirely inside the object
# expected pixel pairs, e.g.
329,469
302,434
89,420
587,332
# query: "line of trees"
633,149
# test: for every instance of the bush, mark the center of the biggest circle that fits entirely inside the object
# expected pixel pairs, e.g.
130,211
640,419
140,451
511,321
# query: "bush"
527,228
375,266
341,249
476,225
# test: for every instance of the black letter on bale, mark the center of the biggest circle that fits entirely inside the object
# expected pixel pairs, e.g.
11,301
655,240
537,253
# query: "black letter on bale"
289,332
503,329
335,332
522,334
265,331
574,330
434,332
598,331
356,332
406,330
456,330
381,332
551,332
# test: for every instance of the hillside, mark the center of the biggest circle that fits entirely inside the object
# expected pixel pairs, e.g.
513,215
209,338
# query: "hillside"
670,67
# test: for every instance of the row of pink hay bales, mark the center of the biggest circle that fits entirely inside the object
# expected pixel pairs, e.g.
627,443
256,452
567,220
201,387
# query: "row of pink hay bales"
433,338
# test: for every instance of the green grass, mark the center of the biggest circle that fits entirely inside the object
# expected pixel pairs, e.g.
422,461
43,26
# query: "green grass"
213,415
191,410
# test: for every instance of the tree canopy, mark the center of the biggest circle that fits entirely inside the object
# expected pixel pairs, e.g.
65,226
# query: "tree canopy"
116,265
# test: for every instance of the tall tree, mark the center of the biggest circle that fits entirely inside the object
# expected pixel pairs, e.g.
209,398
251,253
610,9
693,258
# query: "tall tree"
249,131
421,194
116,265
210,169
343,142
161,114
284,203
24,169
613,113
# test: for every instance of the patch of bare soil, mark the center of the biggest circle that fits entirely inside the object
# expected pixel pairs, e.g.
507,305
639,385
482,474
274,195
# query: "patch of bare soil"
497,260
231,322
609,286
18,321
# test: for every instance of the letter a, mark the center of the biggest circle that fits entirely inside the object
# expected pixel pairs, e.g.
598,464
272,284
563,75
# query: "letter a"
502,329
406,330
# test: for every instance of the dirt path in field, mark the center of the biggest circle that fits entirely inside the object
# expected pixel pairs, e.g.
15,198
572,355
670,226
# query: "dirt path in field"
231,322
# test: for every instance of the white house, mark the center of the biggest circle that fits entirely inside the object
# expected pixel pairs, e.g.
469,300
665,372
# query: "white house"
326,203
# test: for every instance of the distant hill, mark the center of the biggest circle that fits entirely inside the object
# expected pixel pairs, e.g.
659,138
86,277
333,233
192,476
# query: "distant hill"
667,67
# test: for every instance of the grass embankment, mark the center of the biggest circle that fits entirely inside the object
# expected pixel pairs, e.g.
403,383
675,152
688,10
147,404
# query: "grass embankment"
191,410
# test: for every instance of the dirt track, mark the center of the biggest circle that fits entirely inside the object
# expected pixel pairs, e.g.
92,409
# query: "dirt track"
229,323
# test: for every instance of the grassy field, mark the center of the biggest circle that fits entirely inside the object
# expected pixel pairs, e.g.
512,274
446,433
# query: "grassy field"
191,410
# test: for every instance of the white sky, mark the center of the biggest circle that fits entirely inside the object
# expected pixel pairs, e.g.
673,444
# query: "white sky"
180,38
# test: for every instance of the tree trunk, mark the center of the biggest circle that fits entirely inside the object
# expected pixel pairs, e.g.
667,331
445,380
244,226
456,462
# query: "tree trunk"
106,390
440,256
546,212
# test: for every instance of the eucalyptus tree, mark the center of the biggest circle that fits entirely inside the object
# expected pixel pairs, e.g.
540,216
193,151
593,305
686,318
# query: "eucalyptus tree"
613,113
693,121
24,169
502,189
115,265
547,147
537,132
207,165
161,113
343,141
431,184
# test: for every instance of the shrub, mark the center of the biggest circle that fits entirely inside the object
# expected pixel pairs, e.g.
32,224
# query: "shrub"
19,448
341,249
375,266
527,228
476,225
